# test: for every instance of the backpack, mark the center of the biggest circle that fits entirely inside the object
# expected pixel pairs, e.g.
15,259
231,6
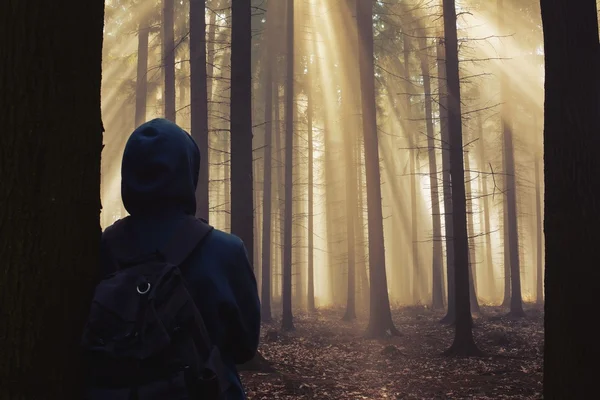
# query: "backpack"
145,338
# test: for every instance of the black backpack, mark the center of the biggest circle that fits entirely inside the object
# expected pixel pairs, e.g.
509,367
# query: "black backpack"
145,338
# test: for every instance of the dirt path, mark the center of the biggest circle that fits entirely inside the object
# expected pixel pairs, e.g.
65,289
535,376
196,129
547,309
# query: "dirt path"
326,358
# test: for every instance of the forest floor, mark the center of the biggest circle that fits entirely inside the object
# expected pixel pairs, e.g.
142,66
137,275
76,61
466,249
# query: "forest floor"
327,358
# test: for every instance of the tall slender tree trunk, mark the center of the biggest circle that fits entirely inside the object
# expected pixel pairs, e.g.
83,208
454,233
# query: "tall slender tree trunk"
380,316
437,259
416,268
463,339
242,200
168,50
141,83
472,247
199,99
360,233
446,181
50,192
516,302
310,233
491,283
280,179
505,223
287,320
539,293
267,193
350,214
571,188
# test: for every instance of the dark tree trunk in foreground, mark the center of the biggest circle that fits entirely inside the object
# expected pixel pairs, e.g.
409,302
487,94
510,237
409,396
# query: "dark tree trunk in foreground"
267,192
572,203
463,339
242,199
446,180
199,99
141,83
287,318
380,315
437,260
168,52
50,194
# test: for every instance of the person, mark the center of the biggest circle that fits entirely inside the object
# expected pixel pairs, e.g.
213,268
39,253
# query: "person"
159,173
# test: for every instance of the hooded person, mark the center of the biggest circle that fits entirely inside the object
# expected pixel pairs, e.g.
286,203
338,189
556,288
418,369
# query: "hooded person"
159,174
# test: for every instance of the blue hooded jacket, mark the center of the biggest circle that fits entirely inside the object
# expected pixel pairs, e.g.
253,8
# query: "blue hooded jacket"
159,177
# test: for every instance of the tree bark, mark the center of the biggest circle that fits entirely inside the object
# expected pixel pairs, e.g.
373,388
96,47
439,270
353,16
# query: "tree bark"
380,316
572,187
472,248
310,233
446,180
199,99
463,344
141,83
51,144
491,283
168,49
267,193
437,259
242,200
288,319
516,302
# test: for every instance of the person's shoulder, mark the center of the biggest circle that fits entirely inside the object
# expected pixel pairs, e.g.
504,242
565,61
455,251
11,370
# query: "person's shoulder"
225,240
114,228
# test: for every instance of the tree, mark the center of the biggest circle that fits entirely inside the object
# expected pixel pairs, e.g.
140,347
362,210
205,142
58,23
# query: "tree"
516,302
242,200
50,194
572,190
380,315
287,320
168,49
199,99
267,192
463,338
141,84
437,259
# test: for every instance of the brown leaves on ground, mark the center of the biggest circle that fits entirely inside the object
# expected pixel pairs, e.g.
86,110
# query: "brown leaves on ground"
327,358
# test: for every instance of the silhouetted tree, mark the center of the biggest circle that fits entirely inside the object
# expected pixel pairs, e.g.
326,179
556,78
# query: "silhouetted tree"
199,99
572,197
51,144
168,59
380,316
463,339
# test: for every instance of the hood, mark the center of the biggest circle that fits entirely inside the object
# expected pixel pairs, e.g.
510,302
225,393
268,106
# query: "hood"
160,169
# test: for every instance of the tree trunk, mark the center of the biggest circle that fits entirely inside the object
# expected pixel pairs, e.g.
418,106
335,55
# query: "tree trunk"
437,292
168,48
463,344
446,181
539,232
350,214
472,248
360,234
491,283
199,99
380,316
506,246
141,83
50,192
310,233
267,198
288,319
572,187
516,302
242,201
